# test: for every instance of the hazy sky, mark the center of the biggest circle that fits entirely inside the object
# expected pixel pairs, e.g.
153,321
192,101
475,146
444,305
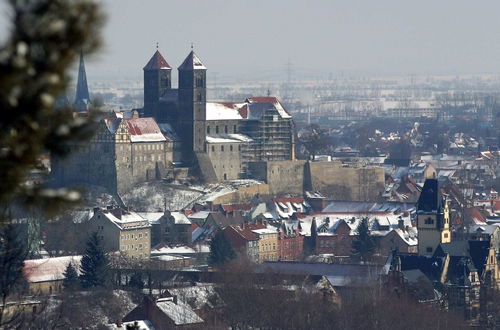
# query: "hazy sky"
256,38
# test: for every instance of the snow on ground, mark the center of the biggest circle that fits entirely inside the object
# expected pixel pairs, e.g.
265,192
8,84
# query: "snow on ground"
154,196
96,196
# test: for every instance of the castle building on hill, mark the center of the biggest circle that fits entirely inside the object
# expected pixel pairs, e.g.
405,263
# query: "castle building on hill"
177,128
221,137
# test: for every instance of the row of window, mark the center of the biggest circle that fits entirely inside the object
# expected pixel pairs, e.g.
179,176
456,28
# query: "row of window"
146,146
267,247
145,158
323,243
226,129
230,148
131,247
132,236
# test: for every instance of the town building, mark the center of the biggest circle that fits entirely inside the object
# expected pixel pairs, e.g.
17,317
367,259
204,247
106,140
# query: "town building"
268,243
290,241
122,230
45,276
243,241
165,313
171,228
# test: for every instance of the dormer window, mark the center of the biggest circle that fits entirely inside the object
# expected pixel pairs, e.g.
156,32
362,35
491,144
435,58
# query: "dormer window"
429,221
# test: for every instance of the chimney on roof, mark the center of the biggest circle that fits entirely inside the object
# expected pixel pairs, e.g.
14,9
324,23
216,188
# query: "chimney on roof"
401,223
135,114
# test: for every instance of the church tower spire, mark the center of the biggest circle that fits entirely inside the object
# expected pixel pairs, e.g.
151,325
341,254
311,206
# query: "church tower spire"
433,218
157,80
192,100
82,97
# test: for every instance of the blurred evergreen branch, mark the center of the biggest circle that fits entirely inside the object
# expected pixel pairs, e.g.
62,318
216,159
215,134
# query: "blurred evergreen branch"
45,41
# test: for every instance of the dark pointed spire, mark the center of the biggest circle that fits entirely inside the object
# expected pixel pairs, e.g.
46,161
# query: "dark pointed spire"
82,98
192,62
157,62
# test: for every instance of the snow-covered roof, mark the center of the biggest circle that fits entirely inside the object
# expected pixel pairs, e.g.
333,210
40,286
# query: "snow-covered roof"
180,218
257,106
228,138
333,220
50,269
267,230
224,110
125,219
164,249
179,312
409,236
197,296
144,130
142,324
152,217
140,129
199,215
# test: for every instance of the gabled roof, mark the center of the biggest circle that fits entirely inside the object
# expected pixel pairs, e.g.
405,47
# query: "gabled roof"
245,232
140,129
157,62
258,105
224,110
192,62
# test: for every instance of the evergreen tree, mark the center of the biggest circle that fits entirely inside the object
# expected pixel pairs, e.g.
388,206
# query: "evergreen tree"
220,250
364,245
136,281
94,265
70,281
13,251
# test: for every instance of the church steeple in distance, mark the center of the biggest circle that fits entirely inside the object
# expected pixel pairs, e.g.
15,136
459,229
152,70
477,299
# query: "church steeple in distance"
157,80
82,97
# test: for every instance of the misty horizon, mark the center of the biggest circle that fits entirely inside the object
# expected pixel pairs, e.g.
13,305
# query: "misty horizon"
243,40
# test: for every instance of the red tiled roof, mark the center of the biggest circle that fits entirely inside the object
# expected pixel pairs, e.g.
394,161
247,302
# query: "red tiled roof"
246,233
140,126
236,207
157,62
289,199
243,111
194,226
496,205
474,213
254,226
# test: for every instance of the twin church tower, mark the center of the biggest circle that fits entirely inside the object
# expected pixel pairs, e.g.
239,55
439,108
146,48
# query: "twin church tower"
184,107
